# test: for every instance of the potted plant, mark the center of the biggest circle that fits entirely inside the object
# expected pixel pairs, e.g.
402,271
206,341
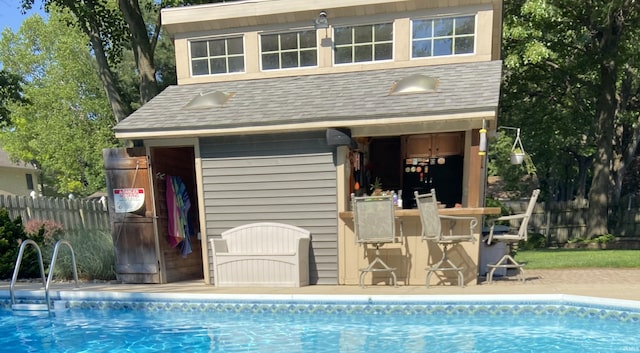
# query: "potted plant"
376,187
517,156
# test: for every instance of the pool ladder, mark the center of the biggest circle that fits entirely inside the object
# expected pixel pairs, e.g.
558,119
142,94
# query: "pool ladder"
47,305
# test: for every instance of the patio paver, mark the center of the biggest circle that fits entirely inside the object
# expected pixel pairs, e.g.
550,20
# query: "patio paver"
596,282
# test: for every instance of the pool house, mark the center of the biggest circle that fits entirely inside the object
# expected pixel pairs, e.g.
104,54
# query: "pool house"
284,108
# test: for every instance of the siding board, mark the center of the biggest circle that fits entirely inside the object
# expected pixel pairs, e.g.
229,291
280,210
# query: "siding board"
287,178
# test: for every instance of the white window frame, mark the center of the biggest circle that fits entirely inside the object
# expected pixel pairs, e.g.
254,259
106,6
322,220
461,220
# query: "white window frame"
452,37
353,45
297,50
226,56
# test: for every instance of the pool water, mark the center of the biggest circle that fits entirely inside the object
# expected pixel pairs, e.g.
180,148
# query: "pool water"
482,329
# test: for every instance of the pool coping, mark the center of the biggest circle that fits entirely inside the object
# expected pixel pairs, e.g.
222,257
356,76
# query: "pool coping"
343,299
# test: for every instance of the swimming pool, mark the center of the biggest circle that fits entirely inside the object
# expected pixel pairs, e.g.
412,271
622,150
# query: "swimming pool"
120,322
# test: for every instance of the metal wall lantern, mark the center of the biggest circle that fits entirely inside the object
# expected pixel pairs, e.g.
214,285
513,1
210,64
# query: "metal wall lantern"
321,21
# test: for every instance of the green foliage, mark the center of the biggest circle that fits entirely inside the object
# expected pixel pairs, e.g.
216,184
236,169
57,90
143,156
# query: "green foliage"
571,84
519,178
10,92
93,251
601,239
11,235
68,121
504,211
376,185
102,18
534,241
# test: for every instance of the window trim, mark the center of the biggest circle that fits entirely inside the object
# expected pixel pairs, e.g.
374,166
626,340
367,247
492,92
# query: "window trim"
392,22
242,36
435,18
297,50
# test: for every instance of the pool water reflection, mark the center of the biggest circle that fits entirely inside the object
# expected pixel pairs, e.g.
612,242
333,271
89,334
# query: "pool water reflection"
370,325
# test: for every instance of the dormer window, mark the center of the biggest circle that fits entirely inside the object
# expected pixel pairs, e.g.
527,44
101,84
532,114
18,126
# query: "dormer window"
288,50
443,36
217,56
366,43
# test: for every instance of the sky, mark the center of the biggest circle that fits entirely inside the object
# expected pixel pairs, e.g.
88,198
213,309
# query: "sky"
10,15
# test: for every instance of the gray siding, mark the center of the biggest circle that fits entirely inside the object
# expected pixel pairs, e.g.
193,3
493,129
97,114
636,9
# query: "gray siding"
287,178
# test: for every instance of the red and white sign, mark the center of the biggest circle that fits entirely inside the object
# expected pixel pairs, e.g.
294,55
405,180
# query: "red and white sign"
128,200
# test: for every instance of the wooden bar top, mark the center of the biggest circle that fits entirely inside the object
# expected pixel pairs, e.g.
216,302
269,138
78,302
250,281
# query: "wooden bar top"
455,211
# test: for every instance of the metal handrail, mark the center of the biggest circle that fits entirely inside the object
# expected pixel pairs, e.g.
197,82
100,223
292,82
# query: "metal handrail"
17,268
53,264
46,283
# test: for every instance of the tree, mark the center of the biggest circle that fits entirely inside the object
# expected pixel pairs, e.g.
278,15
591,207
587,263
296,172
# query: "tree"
571,81
67,122
102,24
113,28
10,91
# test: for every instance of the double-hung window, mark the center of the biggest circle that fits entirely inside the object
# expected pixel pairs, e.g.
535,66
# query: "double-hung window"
288,50
29,181
217,56
355,44
443,36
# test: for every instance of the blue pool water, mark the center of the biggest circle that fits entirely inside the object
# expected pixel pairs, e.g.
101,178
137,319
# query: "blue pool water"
354,326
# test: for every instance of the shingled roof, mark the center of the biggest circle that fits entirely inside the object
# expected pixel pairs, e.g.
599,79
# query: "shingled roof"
5,161
313,99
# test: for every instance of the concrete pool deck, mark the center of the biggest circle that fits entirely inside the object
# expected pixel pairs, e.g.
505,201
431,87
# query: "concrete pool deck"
596,282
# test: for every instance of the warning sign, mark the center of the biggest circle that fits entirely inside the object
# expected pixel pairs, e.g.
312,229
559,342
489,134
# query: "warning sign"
128,200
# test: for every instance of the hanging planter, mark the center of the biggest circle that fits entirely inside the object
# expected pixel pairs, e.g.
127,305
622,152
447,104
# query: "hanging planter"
517,157
517,151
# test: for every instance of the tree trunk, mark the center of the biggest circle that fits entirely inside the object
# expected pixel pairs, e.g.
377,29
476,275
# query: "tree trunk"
142,49
628,136
120,109
584,164
602,183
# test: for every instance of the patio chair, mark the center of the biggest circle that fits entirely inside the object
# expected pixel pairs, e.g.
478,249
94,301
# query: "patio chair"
432,225
374,223
514,235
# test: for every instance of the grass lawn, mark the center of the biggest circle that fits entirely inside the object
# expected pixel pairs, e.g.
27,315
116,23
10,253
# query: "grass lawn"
578,258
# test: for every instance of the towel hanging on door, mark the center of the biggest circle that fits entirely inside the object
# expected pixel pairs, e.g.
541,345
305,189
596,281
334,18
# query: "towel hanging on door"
178,205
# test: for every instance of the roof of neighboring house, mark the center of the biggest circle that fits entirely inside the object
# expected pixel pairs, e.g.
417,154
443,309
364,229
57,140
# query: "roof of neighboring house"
323,100
5,161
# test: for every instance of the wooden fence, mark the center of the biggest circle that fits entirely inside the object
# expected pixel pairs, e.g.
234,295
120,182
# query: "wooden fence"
72,214
563,221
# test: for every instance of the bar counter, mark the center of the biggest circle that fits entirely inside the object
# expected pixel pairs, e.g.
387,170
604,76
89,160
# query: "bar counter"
455,211
411,256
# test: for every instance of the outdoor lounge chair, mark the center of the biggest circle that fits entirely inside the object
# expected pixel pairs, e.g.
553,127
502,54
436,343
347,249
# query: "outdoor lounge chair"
511,237
374,223
432,224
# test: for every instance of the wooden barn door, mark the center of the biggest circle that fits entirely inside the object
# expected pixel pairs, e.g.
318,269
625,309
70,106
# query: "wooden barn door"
131,211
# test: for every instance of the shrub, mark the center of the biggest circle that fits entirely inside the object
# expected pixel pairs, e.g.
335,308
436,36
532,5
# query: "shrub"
491,202
534,241
93,251
11,236
49,231
603,239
